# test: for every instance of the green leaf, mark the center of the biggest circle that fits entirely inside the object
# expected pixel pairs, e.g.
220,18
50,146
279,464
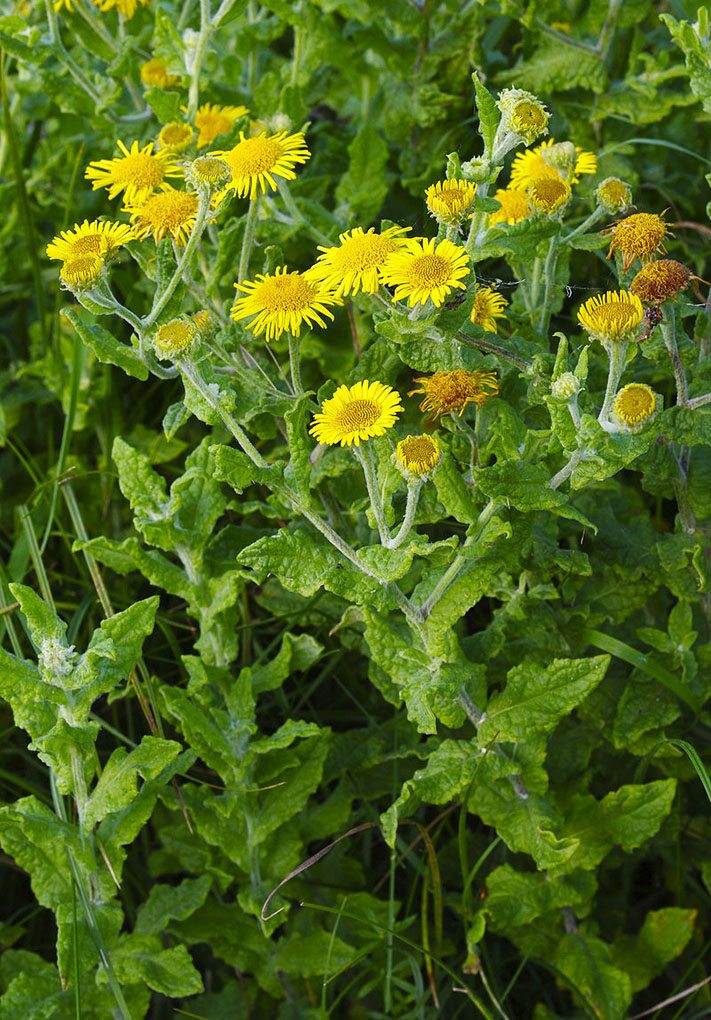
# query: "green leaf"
165,104
117,786
364,185
696,55
166,903
108,350
489,115
297,473
525,486
307,955
663,936
587,961
141,958
235,468
535,699
515,898
38,842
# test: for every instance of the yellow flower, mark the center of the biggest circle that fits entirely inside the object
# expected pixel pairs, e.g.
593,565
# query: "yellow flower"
255,162
138,172
175,338
548,195
81,271
487,308
207,172
637,237
514,206
202,320
125,7
549,159
450,201
282,301
635,406
167,212
94,238
660,280
423,269
212,120
613,316
175,137
153,72
452,391
355,263
523,114
356,413
613,195
419,455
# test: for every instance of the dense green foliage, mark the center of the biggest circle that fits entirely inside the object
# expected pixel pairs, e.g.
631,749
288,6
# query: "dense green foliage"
226,652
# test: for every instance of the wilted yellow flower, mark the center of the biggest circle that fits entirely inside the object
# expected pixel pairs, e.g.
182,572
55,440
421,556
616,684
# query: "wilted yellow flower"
355,263
212,120
419,455
450,201
637,237
282,301
514,206
255,162
175,137
94,238
423,270
452,391
660,280
175,338
167,212
154,73
613,316
356,413
548,195
487,308
138,172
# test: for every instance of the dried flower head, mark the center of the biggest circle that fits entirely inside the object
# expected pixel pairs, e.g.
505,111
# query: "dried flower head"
356,413
522,114
635,406
660,280
355,263
611,317
450,201
282,301
548,196
423,270
637,237
613,195
175,339
446,392
487,308
418,456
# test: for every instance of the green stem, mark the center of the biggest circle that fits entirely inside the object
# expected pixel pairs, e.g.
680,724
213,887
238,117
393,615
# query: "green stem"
296,59
458,561
198,57
585,225
248,238
413,495
669,334
484,345
190,371
364,453
294,364
298,216
617,352
549,280
605,38
567,470
162,300
222,11
479,220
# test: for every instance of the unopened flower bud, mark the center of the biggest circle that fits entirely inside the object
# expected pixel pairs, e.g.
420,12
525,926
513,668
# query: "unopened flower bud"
565,387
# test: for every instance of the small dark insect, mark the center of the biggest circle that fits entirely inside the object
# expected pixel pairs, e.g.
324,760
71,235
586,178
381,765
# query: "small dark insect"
454,303
652,318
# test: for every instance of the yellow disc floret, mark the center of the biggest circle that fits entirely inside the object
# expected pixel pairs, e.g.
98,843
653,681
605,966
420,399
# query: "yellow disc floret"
424,270
282,301
355,263
613,195
548,195
635,405
175,339
255,162
81,271
522,114
175,137
419,455
446,392
487,308
613,316
450,201
356,413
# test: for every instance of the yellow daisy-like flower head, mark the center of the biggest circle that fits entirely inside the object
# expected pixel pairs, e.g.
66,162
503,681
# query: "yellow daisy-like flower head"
175,339
255,162
487,308
138,172
635,406
418,456
551,158
548,196
660,280
356,413
613,195
446,392
95,238
212,120
125,7
450,201
637,237
282,301
167,212
175,137
523,114
355,263
154,73
423,270
82,272
514,206
612,317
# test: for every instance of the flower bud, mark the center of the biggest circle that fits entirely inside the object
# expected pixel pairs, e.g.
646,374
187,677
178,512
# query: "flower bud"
565,387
